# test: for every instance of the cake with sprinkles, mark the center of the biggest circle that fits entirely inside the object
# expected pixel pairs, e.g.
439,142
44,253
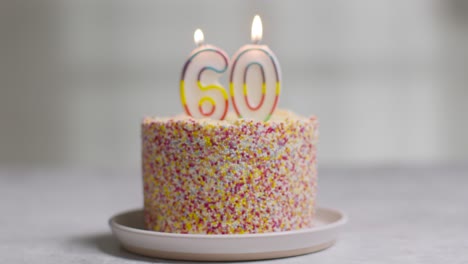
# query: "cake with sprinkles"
231,176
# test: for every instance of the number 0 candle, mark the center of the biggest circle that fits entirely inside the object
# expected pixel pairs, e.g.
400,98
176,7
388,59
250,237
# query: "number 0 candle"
255,79
201,94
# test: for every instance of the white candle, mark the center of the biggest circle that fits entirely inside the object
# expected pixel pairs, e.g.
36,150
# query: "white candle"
255,79
201,94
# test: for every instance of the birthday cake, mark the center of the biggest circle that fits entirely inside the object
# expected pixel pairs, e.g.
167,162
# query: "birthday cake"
213,172
229,176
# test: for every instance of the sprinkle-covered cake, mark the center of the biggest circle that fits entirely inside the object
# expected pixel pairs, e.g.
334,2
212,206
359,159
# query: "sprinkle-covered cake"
230,176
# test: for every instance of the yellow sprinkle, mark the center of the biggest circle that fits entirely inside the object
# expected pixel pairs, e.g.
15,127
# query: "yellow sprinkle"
208,141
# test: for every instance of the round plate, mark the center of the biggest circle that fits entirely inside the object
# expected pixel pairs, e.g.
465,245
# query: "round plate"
129,229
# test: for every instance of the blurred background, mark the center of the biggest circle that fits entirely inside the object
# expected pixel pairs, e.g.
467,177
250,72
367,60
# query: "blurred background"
388,79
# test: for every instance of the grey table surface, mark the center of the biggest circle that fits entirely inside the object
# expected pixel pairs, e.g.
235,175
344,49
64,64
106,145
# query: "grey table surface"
397,215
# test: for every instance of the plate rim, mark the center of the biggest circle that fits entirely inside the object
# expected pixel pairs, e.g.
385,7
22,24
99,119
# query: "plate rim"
340,222
229,257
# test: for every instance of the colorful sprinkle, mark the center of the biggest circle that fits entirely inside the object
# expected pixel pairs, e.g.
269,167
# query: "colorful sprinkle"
229,177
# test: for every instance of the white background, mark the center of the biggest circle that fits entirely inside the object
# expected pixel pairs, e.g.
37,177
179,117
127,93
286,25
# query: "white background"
387,78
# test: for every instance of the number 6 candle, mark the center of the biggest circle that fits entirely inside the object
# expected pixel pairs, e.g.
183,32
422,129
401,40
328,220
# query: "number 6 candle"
200,92
255,78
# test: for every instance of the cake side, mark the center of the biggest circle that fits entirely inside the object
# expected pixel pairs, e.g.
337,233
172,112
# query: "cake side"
229,177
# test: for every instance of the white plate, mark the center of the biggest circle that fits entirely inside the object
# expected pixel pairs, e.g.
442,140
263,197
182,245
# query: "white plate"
129,229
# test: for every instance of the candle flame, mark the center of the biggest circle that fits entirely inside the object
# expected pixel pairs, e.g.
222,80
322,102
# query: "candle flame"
198,37
257,29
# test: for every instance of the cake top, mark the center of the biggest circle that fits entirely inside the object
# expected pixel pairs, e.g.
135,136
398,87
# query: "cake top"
279,116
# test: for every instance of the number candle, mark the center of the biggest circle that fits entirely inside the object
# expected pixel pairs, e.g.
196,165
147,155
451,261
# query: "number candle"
255,78
200,91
